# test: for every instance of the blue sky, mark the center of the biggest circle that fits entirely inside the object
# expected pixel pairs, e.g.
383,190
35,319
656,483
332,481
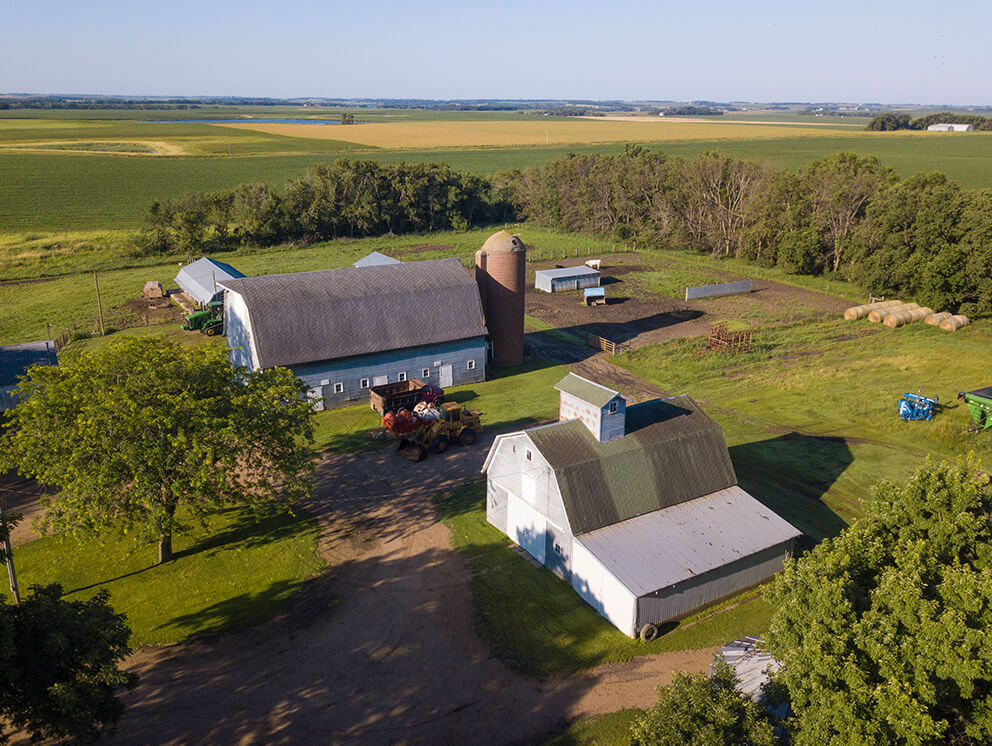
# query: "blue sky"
891,52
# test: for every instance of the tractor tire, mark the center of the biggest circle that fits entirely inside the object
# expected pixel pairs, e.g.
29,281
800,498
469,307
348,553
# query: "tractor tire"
212,331
649,632
467,437
441,444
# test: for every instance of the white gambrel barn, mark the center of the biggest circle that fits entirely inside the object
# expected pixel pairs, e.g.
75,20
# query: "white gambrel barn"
637,507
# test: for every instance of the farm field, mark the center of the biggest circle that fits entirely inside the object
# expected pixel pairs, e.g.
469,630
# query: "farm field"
99,171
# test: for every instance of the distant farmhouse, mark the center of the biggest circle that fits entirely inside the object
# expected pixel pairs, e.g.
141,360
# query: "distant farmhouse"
344,330
201,280
637,507
14,362
946,127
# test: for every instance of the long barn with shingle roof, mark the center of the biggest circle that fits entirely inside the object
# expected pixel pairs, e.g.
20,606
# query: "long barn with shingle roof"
637,507
344,330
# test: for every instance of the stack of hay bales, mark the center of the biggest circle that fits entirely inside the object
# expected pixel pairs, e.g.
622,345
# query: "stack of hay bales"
878,315
934,319
859,312
901,317
954,323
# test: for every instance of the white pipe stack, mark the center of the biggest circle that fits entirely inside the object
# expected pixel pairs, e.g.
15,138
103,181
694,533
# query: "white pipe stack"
878,315
934,319
954,323
859,312
900,318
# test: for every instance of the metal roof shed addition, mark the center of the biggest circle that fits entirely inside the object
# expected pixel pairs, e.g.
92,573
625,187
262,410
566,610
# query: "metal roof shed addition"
200,280
566,278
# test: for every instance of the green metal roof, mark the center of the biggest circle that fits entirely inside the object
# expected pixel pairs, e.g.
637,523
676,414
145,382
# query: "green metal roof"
672,452
586,390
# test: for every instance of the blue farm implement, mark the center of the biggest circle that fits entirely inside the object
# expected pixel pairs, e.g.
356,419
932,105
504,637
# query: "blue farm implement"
979,404
917,407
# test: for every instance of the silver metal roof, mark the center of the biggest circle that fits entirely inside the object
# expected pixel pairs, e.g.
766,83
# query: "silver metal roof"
660,549
201,279
375,259
580,271
750,664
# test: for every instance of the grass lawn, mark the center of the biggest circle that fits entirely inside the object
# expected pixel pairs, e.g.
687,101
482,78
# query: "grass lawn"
537,623
612,729
234,574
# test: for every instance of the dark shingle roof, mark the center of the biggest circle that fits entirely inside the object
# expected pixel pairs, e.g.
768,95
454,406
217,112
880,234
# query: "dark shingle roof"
16,359
586,390
335,313
672,452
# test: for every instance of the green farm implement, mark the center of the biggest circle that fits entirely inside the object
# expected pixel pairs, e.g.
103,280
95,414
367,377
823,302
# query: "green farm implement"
979,404
209,321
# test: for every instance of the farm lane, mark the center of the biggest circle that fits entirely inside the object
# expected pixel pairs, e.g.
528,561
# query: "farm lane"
382,648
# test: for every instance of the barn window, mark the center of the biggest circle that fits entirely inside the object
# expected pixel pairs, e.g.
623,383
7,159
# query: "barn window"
401,376
529,456
338,388
557,548
613,407
364,383
437,363
471,364
425,373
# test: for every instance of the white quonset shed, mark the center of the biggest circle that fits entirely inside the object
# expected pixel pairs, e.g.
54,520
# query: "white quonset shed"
948,127
566,278
201,280
645,521
344,330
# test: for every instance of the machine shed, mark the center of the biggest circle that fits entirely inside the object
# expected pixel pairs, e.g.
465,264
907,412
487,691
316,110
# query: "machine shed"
566,278
375,259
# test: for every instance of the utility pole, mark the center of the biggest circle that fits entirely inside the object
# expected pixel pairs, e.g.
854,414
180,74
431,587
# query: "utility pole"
7,523
99,305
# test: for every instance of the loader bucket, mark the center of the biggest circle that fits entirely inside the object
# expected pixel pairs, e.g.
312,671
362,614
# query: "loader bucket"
411,449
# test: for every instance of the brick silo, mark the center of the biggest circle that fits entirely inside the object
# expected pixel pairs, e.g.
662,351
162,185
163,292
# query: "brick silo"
500,270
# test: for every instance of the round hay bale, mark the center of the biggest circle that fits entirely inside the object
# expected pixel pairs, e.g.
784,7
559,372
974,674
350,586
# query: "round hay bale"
900,318
954,323
934,319
859,312
878,315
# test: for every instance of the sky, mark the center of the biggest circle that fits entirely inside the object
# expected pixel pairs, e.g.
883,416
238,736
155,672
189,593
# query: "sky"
867,51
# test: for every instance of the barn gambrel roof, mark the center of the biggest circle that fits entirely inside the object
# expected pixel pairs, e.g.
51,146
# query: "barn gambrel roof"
335,313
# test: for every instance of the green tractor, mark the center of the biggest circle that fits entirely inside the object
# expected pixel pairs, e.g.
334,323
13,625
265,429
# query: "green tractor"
979,404
209,320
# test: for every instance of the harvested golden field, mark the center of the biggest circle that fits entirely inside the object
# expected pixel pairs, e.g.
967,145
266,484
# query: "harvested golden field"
463,134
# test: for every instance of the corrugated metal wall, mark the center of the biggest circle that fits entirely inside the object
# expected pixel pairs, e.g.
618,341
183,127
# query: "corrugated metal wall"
671,603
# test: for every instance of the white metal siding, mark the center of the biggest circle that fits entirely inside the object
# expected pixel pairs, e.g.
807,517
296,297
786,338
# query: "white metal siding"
237,329
601,590
613,425
574,408
527,527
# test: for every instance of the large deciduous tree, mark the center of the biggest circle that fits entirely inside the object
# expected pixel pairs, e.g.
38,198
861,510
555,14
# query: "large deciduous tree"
58,666
885,633
147,434
705,711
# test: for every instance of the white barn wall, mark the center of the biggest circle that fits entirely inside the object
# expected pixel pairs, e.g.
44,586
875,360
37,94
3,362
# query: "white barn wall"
601,590
237,329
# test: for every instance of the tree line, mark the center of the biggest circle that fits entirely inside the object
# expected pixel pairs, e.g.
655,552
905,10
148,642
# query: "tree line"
347,199
890,122
923,237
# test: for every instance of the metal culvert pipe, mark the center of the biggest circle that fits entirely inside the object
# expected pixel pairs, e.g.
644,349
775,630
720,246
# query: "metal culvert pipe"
878,315
954,323
900,318
934,319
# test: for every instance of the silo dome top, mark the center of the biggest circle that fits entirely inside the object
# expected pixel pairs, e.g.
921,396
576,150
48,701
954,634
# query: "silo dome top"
503,242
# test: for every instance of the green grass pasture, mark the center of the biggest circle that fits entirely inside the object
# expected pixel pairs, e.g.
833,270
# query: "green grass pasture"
234,574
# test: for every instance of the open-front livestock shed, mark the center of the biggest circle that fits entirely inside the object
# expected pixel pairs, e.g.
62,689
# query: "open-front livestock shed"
201,280
566,278
637,507
345,330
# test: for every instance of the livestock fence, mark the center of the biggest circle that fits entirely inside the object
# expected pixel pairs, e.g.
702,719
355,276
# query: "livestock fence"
606,345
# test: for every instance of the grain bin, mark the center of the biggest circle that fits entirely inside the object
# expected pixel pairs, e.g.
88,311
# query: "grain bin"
900,318
500,270
878,315
954,323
